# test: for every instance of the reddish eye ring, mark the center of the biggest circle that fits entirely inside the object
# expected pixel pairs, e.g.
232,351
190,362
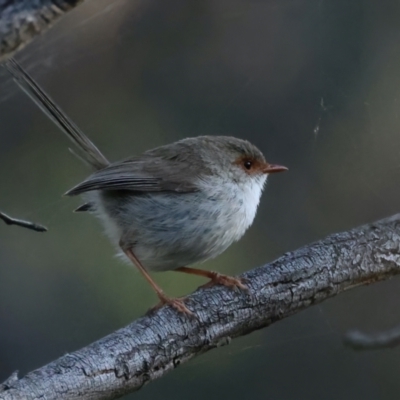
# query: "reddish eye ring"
248,164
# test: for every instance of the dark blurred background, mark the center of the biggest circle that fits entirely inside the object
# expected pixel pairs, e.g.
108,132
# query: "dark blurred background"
315,84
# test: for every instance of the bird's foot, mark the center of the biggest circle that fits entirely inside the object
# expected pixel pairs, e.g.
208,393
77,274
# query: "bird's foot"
177,303
225,280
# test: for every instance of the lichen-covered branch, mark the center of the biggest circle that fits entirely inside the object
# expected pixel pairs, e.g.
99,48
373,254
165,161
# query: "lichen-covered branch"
155,344
24,224
22,20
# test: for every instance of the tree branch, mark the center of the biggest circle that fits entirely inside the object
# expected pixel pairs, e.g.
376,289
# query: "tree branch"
24,224
155,344
22,20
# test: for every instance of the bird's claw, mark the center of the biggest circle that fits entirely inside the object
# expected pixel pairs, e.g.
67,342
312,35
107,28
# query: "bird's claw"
176,303
226,280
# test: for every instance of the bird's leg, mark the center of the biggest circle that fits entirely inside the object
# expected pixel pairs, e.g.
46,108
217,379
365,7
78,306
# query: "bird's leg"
178,304
215,278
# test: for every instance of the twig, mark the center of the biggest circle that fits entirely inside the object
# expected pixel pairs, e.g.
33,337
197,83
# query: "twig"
155,344
25,224
362,341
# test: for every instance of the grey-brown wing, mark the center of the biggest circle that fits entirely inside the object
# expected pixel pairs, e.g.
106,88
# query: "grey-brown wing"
145,174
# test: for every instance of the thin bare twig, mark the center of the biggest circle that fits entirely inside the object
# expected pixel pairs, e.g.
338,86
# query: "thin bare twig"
24,224
363,341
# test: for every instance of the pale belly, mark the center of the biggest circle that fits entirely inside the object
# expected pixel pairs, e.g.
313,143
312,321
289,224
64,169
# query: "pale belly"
170,230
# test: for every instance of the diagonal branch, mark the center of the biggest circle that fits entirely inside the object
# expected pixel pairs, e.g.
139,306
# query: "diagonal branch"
24,224
155,344
22,20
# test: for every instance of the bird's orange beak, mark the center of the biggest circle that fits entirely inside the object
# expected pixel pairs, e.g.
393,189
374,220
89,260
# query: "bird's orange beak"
273,168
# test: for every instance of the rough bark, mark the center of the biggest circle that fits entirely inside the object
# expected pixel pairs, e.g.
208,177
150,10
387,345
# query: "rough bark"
22,20
155,344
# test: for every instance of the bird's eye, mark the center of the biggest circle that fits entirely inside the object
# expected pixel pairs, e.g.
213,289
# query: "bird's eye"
248,164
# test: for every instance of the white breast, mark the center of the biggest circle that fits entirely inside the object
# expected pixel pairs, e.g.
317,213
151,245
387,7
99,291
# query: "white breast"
238,207
248,196
170,231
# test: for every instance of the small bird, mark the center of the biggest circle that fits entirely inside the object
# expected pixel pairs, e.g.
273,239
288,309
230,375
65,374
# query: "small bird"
172,206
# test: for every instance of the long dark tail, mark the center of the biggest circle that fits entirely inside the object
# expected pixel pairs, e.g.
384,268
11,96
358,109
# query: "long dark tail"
86,149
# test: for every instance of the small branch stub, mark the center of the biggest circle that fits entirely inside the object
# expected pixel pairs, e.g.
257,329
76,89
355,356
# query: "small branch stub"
24,224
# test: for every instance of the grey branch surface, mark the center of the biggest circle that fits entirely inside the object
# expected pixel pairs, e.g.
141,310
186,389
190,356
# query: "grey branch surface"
22,20
148,348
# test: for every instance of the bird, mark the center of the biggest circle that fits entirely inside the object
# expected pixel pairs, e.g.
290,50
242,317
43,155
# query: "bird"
172,206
